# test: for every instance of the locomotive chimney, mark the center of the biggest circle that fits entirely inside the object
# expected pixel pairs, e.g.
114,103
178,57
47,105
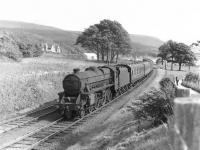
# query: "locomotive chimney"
76,70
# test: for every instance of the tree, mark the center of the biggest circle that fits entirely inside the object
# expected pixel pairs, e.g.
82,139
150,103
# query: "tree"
190,59
172,51
184,55
167,52
108,38
164,53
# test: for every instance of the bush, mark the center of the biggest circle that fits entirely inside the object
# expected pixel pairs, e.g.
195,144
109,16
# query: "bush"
8,47
192,77
11,55
30,50
156,104
169,88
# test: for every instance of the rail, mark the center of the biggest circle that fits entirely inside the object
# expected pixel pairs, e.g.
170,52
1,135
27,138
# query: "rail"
25,119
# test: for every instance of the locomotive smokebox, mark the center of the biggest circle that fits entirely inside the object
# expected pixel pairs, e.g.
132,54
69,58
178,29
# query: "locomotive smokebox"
71,85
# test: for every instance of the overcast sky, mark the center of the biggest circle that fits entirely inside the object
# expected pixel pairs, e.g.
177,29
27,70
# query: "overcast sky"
178,20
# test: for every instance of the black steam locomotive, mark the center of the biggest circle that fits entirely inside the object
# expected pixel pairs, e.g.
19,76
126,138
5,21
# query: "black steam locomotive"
85,91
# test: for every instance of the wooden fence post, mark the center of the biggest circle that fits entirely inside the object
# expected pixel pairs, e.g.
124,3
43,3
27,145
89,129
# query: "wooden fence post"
187,123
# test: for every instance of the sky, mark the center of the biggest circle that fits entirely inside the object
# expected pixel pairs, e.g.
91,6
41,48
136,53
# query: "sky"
178,20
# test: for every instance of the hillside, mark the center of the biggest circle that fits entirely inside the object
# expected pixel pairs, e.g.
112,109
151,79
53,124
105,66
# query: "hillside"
145,45
36,34
24,25
146,40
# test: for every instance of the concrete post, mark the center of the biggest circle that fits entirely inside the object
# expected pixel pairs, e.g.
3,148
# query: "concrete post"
187,123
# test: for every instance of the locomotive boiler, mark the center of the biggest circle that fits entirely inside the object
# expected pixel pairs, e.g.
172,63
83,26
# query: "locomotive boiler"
87,90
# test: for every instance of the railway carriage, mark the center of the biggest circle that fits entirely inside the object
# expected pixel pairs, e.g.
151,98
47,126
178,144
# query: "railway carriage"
138,72
148,67
87,90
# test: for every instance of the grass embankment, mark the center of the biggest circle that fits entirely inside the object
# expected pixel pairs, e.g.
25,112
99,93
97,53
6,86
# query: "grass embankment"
33,82
192,80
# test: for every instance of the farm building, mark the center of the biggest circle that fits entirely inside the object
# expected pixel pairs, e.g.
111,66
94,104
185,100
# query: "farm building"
51,48
91,56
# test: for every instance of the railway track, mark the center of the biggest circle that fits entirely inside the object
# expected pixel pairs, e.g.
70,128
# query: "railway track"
36,140
26,120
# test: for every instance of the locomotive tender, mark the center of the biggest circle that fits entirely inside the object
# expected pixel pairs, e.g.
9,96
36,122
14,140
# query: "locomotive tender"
85,91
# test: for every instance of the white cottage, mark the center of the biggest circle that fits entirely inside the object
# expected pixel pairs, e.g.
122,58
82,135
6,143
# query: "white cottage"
54,48
91,56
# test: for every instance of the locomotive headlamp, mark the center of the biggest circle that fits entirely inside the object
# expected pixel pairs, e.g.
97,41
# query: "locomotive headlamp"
68,99
62,101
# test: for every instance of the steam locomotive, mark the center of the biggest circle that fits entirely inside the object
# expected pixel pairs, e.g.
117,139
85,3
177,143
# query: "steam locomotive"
87,90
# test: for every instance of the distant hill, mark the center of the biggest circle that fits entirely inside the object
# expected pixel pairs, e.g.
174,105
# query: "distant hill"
36,34
145,45
24,25
146,40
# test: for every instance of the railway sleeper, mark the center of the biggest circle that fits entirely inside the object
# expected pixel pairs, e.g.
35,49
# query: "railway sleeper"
61,125
53,129
13,148
58,127
45,132
72,127
18,145
24,142
39,136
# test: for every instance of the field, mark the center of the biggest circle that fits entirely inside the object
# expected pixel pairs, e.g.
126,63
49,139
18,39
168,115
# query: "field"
180,74
33,81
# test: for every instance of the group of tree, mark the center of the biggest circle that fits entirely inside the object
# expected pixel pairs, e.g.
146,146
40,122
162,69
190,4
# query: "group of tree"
107,39
30,50
174,52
